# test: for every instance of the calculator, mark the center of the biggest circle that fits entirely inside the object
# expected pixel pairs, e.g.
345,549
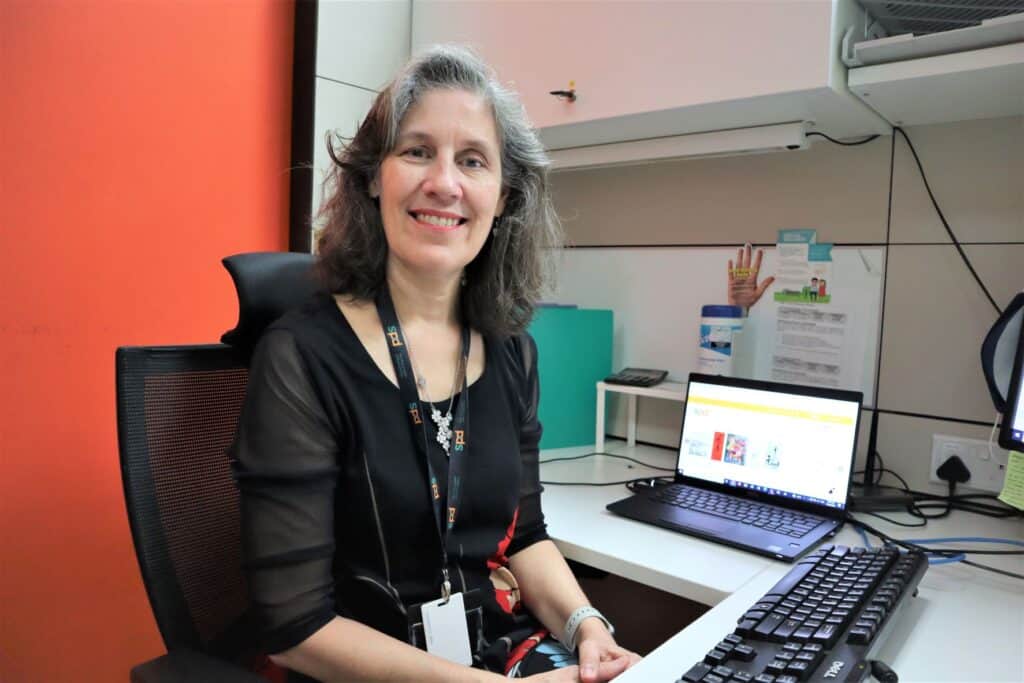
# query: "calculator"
637,377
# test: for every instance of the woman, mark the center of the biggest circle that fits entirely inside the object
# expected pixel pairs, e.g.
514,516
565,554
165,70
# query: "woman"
387,453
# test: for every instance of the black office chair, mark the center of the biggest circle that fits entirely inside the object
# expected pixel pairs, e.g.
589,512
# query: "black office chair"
177,412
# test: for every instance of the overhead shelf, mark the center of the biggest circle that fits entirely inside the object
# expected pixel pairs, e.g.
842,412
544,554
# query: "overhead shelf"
974,84
975,72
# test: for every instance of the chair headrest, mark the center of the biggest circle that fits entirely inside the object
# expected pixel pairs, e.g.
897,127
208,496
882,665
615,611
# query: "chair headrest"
268,285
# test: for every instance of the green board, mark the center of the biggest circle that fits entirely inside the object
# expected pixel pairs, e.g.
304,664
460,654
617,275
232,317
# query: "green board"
574,353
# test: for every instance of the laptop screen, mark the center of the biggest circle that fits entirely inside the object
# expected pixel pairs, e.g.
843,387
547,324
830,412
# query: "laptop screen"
796,442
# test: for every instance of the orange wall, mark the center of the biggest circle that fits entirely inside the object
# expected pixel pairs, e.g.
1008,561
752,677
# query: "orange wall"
141,142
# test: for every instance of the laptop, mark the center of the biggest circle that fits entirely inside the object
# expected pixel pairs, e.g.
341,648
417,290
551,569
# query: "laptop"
762,466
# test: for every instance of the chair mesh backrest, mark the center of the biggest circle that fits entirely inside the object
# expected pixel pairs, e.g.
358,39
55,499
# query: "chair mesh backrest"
178,410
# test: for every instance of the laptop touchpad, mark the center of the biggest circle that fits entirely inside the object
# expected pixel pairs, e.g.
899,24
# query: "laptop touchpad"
697,521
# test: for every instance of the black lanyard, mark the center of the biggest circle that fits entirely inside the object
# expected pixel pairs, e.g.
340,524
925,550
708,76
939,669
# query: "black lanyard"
459,446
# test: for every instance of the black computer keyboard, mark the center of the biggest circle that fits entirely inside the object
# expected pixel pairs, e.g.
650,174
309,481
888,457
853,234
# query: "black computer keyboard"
821,622
762,515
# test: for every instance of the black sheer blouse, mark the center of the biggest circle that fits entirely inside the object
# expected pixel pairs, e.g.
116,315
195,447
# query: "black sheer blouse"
336,513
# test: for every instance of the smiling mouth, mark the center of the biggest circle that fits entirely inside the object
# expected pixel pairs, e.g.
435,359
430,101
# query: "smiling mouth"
437,222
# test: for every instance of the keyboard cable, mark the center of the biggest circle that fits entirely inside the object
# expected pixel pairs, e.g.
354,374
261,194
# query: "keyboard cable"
882,672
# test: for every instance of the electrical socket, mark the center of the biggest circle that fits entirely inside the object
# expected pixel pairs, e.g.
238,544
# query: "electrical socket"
988,472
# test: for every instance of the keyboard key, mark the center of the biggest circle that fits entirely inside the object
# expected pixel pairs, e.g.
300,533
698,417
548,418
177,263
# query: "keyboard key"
712,678
790,580
744,653
826,635
767,627
733,638
742,677
745,627
802,634
776,667
716,657
798,669
786,628
764,678
859,636
869,619
723,671
696,672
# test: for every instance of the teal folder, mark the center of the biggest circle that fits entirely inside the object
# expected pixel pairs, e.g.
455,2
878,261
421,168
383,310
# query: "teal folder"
574,349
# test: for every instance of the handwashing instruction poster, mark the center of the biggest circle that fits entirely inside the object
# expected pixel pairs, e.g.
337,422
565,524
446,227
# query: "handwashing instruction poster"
815,341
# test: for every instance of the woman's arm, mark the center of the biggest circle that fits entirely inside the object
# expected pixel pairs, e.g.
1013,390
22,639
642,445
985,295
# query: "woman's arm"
547,586
345,650
550,591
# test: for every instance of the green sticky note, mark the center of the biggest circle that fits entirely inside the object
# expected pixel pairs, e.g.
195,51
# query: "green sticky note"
1013,487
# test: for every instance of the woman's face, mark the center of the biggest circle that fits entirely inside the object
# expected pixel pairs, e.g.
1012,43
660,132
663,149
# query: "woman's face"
440,188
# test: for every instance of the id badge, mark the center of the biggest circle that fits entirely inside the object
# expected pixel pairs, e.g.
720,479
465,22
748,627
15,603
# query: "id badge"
444,628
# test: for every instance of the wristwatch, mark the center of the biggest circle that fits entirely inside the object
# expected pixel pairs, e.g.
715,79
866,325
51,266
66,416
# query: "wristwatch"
572,625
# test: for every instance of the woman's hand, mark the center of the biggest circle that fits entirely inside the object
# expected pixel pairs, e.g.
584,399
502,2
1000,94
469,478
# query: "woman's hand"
566,674
743,288
601,658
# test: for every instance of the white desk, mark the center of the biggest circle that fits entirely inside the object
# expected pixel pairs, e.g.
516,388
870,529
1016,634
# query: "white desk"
965,625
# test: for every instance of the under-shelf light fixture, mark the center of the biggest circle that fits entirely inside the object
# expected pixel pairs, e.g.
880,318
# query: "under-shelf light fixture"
755,140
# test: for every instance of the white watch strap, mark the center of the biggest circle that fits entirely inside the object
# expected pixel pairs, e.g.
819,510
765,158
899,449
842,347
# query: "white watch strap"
572,625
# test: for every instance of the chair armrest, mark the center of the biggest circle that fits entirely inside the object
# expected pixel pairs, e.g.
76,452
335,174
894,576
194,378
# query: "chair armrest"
191,666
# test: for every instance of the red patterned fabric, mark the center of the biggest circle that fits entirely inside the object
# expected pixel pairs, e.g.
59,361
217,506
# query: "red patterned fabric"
524,648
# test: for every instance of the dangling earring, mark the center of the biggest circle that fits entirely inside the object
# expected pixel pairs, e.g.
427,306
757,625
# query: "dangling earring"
462,280
496,226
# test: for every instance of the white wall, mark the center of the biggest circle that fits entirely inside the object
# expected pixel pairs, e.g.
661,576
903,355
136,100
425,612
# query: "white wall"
683,213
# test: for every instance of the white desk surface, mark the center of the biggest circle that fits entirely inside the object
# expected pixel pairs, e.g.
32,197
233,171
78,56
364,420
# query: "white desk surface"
585,531
965,625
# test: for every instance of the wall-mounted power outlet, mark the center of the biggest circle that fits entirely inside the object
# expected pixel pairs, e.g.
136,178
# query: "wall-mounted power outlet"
988,471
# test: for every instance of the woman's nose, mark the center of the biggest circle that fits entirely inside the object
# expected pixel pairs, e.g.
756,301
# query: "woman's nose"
442,179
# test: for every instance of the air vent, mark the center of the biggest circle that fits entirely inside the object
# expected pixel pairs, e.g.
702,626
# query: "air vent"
922,17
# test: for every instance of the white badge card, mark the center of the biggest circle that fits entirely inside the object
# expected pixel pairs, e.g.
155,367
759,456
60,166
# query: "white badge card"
444,625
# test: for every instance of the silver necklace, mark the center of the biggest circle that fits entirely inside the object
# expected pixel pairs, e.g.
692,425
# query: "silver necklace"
443,421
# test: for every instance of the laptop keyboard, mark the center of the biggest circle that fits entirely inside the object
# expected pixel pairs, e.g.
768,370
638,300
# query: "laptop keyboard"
761,515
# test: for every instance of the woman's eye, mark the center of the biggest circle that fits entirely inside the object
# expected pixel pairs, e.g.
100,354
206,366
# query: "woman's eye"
474,162
416,153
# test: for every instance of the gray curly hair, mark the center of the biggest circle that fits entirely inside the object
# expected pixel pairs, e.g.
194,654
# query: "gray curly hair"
515,265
